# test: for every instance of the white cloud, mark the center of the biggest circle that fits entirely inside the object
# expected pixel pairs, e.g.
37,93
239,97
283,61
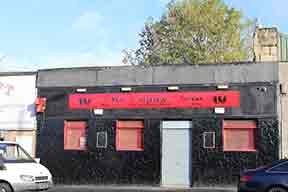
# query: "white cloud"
89,20
89,25
103,57
87,59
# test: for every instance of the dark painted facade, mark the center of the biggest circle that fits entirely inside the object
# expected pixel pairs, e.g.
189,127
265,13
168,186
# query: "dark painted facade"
107,165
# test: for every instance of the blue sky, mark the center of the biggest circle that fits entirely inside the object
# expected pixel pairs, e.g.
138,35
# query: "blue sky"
37,34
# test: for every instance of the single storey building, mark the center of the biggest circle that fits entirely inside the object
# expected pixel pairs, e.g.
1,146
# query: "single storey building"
168,125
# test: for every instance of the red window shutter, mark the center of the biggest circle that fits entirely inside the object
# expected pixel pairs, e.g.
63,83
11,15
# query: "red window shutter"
239,135
129,135
75,135
76,124
239,140
240,124
130,124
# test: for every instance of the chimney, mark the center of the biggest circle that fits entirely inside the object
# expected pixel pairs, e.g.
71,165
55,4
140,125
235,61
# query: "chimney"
266,44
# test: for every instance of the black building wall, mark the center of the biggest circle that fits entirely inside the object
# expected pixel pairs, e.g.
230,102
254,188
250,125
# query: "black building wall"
100,166
214,166
209,166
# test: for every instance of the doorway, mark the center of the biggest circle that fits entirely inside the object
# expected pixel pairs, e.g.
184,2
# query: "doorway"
176,152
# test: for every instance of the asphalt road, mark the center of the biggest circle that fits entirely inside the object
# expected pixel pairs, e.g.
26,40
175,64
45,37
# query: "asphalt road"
131,189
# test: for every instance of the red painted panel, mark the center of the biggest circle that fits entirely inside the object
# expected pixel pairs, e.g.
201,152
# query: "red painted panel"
74,135
129,140
130,124
129,135
238,135
75,124
239,124
155,100
40,104
239,140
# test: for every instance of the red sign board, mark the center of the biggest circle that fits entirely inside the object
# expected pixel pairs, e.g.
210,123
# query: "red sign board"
155,100
40,104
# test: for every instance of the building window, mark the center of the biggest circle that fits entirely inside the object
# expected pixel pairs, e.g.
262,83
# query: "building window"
239,135
101,140
75,135
209,140
129,135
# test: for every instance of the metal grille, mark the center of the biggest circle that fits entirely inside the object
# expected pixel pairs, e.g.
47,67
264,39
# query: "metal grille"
40,178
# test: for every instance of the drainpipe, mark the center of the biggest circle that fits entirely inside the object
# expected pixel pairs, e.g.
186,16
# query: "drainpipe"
281,127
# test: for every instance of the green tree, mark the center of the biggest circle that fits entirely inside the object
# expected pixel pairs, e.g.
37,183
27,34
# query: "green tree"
194,32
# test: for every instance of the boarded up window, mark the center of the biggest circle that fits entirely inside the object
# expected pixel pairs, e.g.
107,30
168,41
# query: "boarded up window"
129,135
209,140
75,135
101,140
239,135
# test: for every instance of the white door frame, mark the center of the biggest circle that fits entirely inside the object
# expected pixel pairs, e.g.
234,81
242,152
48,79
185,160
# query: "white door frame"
177,125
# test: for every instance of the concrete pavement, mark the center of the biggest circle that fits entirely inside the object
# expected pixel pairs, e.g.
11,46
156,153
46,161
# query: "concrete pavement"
108,188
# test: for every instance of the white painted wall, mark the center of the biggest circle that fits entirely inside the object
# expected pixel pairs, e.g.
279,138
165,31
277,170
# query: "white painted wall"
17,102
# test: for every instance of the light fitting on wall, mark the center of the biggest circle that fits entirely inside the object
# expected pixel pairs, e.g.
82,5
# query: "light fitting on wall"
126,89
219,110
262,89
173,88
222,86
81,90
98,111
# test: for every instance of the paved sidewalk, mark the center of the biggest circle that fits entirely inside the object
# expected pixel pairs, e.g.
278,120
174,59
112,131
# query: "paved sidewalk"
108,188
